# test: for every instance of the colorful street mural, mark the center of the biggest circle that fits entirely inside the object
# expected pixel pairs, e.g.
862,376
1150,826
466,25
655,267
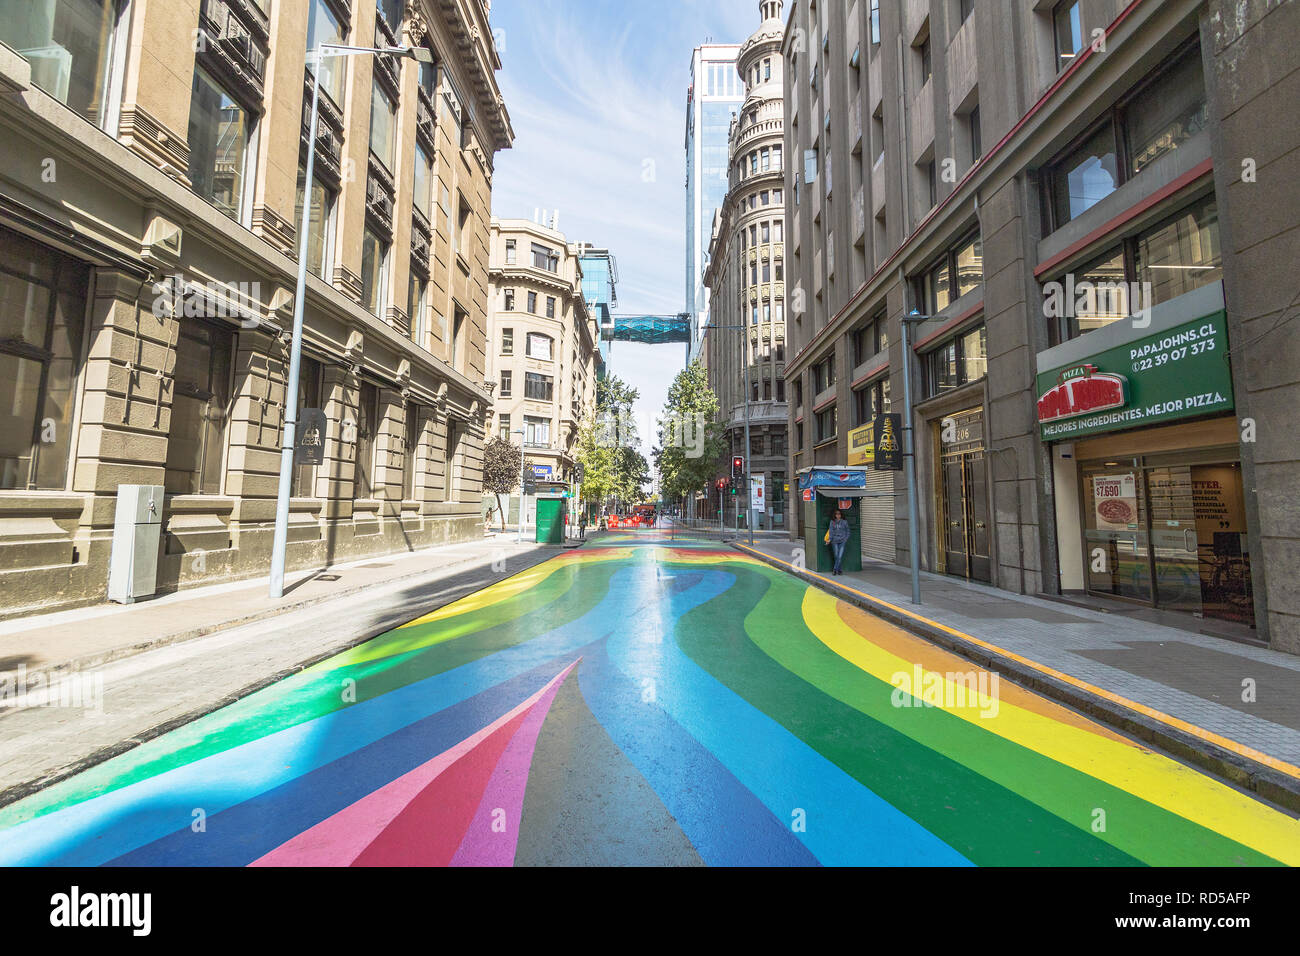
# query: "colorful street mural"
644,701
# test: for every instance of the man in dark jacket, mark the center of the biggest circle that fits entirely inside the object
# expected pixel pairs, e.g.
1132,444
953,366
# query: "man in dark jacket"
839,537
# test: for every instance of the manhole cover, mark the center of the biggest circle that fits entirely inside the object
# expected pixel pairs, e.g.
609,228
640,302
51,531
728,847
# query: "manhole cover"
327,577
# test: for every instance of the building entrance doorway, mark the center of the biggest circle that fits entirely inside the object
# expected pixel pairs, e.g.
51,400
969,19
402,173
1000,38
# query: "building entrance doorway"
964,508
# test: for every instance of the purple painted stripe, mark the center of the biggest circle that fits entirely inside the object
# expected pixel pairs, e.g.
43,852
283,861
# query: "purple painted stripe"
483,845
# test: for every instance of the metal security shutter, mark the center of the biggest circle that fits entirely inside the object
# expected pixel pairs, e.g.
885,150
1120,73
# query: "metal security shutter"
878,516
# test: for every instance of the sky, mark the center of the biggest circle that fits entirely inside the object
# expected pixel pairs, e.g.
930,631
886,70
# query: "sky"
596,91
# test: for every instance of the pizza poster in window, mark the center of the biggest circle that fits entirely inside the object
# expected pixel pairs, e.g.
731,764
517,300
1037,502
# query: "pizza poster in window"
1115,501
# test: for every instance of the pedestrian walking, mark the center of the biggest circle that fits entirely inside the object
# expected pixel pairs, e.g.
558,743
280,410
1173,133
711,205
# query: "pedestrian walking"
837,536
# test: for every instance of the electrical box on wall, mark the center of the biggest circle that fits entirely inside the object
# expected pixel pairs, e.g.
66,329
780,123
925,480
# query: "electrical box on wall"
137,527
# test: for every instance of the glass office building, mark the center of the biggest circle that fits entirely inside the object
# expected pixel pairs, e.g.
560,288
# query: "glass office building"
715,93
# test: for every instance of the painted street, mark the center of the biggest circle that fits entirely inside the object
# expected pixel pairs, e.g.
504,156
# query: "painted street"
644,701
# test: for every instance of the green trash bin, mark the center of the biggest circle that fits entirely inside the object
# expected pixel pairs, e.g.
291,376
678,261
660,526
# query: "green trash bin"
550,521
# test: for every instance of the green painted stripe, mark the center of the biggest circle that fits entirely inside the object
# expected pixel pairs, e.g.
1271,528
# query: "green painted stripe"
982,820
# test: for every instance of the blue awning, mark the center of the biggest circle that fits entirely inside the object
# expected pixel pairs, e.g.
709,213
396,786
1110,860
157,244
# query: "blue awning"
833,478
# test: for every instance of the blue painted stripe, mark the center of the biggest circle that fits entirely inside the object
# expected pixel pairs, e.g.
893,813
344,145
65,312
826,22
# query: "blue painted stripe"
844,822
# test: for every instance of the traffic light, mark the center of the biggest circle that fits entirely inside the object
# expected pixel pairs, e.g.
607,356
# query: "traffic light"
737,467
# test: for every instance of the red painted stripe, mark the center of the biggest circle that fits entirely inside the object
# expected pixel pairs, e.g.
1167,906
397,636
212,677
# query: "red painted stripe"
826,404
431,827
978,165
869,376
1186,179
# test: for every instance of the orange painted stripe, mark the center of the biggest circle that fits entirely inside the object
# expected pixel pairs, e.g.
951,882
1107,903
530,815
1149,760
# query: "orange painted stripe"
1281,766
897,641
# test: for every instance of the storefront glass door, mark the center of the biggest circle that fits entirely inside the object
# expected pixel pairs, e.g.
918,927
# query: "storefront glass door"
964,531
1116,555
1170,535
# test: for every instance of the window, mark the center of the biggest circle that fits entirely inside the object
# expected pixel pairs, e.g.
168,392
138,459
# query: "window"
550,306
926,65
532,302
464,224
422,183
411,448
780,397
320,227
324,27
309,380
510,252
450,451
1166,114
507,341
506,384
367,429
777,230
870,400
200,409
42,316
958,271
826,426
767,68
1176,255
539,346
958,362
428,79
976,145
220,132
457,337
374,273
416,291
503,427
540,388
537,431
69,45
544,258
454,112
875,22
391,11
509,299
811,163
1068,31
869,339
932,183
776,157
383,126
1087,175
1180,254
824,374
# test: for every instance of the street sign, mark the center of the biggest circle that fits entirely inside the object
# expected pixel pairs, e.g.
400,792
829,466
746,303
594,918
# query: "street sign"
888,451
309,443
807,494
542,471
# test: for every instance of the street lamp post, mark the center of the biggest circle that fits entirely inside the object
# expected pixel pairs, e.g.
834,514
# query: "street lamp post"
316,57
909,452
519,525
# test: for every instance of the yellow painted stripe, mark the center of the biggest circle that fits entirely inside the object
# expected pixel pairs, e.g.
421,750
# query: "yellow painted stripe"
516,583
1207,735
1121,763
931,657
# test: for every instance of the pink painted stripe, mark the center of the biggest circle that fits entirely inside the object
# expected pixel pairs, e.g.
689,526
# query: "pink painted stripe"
484,846
340,838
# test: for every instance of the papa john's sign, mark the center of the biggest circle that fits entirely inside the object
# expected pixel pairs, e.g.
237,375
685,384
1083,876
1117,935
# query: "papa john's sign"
1178,373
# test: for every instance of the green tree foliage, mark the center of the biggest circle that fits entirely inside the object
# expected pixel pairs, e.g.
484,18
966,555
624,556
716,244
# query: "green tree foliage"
691,443
501,464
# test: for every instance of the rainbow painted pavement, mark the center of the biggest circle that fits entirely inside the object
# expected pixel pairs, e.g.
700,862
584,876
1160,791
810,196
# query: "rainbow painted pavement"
641,702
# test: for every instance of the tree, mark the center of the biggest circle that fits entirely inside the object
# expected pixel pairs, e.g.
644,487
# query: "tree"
631,474
597,459
501,464
693,443
603,440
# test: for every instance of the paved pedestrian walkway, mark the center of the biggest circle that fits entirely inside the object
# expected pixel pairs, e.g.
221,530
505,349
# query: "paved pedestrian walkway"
1232,707
86,637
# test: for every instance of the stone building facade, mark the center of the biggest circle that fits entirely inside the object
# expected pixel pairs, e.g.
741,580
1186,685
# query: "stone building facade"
543,346
745,275
1085,210
148,237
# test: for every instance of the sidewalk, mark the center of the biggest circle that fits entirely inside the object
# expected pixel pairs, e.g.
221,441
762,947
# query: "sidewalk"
87,637
1176,689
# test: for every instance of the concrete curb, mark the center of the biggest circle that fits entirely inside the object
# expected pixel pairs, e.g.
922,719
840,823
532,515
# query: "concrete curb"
130,650
1237,769
12,794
